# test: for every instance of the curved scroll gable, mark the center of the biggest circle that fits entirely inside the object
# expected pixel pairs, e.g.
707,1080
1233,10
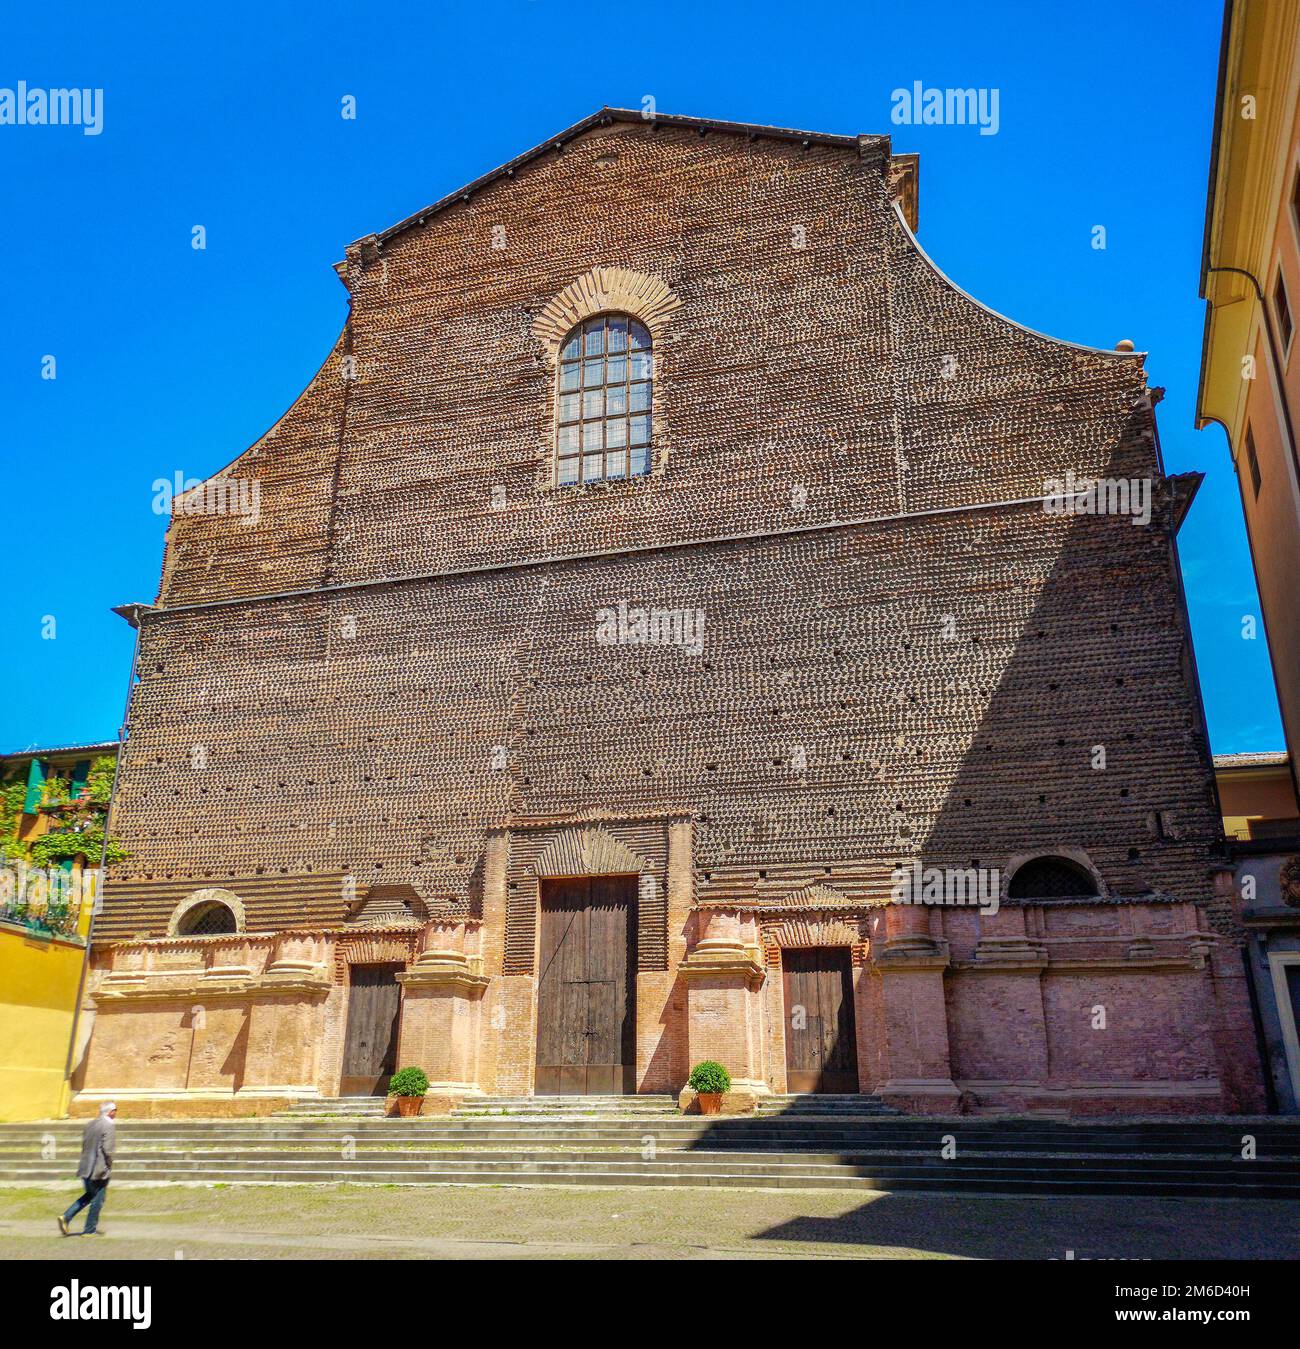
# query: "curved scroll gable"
588,852
1120,353
605,290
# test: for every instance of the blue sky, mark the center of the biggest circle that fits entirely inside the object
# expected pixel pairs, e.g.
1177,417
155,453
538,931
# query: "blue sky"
171,359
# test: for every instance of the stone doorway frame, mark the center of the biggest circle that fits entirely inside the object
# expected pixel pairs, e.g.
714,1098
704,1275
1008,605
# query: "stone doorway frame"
360,946
656,847
818,916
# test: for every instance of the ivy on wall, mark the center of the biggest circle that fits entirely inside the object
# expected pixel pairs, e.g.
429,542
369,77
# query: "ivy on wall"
77,824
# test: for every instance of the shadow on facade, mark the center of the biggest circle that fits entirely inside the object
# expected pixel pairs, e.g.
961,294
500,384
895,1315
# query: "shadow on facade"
1065,681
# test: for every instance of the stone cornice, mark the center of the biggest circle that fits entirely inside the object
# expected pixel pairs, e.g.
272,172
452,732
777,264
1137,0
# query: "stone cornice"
190,985
741,965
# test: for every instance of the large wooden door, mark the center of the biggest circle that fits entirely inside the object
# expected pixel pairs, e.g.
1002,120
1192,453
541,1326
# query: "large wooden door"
370,1048
586,1008
821,1052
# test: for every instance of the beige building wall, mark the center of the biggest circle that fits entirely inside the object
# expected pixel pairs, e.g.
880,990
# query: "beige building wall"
1250,380
1255,790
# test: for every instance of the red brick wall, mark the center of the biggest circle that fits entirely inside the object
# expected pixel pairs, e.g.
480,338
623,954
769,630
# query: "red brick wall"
945,677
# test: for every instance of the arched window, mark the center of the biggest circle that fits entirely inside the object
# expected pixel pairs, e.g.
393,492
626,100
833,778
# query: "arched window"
1051,878
207,920
603,427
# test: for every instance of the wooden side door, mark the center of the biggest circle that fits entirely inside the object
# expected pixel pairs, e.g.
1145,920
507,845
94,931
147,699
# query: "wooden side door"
562,989
821,1053
586,1030
370,1046
611,936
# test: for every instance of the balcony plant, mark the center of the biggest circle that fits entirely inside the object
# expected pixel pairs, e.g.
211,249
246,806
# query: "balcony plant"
406,1089
710,1081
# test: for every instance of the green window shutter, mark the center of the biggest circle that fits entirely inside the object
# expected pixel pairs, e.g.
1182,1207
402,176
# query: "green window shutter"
35,785
80,773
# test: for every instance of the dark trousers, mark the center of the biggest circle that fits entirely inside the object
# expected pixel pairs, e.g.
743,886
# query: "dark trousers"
92,1196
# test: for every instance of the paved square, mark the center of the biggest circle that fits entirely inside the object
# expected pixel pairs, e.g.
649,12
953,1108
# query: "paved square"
399,1222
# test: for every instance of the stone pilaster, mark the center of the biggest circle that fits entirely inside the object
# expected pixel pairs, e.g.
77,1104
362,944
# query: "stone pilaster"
724,975
916,1068
286,1017
442,997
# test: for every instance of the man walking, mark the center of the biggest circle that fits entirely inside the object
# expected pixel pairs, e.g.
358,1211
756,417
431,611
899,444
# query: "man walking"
97,1144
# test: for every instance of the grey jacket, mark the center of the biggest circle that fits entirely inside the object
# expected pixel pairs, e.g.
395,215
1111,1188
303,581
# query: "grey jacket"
97,1144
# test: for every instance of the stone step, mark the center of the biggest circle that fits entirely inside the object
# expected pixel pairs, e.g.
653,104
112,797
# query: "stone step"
887,1124
824,1105
703,1140
721,1172
1272,1168
1257,1126
494,1105
721,1132
376,1104
777,1147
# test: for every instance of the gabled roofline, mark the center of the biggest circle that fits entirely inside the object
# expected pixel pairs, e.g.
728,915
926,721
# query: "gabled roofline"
606,117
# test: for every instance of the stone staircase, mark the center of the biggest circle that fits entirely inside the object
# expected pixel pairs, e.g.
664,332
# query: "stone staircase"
579,1107
549,1107
358,1107
644,1141
569,1107
821,1106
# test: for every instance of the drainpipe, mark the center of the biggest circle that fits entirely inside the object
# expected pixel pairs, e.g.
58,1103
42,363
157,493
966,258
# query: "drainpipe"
130,612
1274,359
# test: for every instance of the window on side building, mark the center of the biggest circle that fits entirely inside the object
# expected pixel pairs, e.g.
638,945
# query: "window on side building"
1252,461
1282,308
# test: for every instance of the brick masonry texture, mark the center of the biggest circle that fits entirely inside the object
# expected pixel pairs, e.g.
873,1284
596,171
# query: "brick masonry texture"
373,755
909,685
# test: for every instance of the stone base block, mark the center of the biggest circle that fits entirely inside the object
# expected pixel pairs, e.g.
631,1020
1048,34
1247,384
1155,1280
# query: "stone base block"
1096,1099
190,1105
921,1097
441,1102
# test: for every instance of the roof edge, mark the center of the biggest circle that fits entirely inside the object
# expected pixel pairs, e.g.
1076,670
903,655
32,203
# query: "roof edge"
1216,136
605,117
43,750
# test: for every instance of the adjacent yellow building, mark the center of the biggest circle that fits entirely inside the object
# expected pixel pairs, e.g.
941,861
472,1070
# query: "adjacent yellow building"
1250,385
1250,276
40,975
1257,797
52,807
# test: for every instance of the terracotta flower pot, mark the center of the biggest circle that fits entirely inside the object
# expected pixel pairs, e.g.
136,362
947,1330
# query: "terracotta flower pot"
710,1102
409,1105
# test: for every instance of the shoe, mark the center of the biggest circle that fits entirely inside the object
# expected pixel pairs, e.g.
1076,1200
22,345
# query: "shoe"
63,1226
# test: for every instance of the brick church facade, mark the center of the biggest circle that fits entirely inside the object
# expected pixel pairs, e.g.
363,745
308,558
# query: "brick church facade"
657,565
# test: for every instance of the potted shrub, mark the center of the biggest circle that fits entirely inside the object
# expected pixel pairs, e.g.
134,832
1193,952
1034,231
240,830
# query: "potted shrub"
710,1081
406,1088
